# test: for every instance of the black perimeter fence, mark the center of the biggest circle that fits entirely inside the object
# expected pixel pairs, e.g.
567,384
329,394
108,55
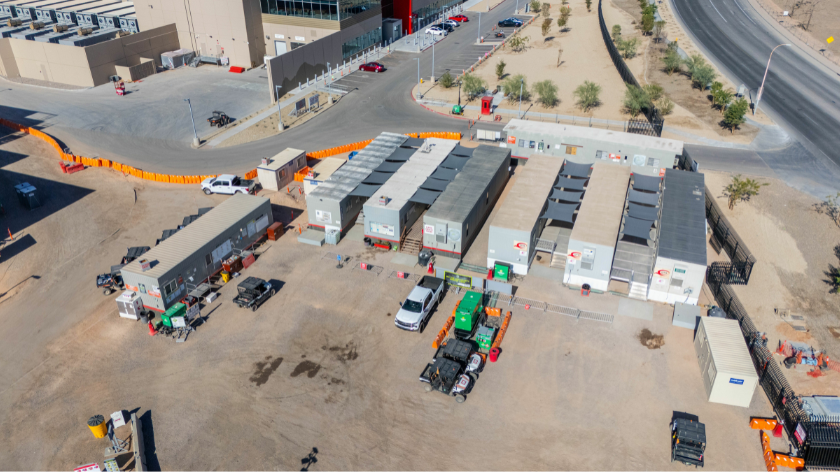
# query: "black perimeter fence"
653,124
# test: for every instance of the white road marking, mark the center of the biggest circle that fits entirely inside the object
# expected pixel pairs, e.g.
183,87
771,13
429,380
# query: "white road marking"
745,13
718,11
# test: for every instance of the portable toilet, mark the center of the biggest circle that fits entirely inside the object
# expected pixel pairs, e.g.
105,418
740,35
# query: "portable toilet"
486,105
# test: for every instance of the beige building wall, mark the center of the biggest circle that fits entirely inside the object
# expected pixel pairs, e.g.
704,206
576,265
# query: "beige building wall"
230,28
52,62
293,34
8,65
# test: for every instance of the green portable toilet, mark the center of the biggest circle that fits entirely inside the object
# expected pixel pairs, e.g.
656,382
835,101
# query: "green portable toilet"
501,271
178,309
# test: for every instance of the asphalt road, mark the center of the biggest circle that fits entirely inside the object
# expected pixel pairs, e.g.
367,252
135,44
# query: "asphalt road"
800,94
155,141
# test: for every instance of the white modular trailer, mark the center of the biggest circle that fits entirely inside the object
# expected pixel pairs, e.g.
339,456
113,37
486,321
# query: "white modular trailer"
727,369
321,172
593,239
185,259
680,267
391,209
280,170
334,204
455,219
646,155
517,224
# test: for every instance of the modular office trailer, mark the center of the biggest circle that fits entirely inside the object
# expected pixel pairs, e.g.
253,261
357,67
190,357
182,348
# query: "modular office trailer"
454,220
725,363
334,204
196,252
593,239
517,224
393,207
646,155
680,266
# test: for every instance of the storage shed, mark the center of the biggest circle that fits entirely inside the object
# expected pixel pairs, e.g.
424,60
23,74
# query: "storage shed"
334,204
517,224
647,155
454,220
321,172
193,254
593,239
397,204
680,267
280,169
725,363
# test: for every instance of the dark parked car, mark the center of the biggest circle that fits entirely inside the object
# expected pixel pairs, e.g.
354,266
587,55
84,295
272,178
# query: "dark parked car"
448,28
253,292
510,22
459,18
372,67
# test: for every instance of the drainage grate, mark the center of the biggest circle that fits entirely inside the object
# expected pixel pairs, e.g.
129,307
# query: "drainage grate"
406,276
563,310
594,316
371,269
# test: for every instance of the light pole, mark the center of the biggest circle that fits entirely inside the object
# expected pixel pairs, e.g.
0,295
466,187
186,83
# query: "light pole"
517,8
761,89
279,112
521,84
196,142
479,27
418,76
433,59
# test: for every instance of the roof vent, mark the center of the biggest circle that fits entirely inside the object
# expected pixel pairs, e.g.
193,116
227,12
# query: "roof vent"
383,200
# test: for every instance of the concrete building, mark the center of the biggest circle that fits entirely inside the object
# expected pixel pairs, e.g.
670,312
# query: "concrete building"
416,14
596,229
397,205
518,224
335,204
190,256
680,267
456,217
646,155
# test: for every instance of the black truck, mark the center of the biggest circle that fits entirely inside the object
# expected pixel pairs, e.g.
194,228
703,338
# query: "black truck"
448,373
253,292
688,442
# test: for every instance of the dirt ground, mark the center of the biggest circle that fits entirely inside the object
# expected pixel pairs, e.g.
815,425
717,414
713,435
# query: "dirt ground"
825,22
321,364
794,246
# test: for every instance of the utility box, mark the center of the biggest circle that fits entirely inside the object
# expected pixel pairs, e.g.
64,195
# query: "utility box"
501,271
484,337
26,196
130,305
332,237
280,170
175,311
725,364
486,105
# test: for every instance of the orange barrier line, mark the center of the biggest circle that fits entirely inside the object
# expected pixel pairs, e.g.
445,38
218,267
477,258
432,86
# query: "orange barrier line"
766,424
446,326
502,331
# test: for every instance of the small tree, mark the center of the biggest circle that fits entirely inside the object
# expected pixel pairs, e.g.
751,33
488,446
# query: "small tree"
702,75
658,29
446,80
616,33
472,85
635,100
546,92
546,26
627,47
653,91
833,273
559,56
588,5
500,69
665,106
734,115
588,95
741,190
512,87
722,97
830,207
672,61
536,6
561,23
546,10
693,62
647,23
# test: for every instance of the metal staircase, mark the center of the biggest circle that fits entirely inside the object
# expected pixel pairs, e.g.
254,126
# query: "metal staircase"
633,264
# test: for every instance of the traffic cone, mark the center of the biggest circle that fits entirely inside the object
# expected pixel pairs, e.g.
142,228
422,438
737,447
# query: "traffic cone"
152,331
10,234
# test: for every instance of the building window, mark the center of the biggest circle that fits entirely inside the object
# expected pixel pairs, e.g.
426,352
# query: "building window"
361,43
532,144
318,9
296,45
522,142
208,259
571,150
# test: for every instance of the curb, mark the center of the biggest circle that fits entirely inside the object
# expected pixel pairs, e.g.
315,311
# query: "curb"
429,47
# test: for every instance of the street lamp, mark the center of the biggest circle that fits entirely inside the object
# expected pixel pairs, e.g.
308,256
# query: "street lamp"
279,112
418,75
761,89
196,142
521,84
433,59
479,27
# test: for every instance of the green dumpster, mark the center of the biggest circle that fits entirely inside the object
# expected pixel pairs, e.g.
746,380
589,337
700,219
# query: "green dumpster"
176,310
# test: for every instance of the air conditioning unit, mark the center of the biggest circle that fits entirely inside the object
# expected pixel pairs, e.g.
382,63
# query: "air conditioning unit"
383,200
36,25
14,22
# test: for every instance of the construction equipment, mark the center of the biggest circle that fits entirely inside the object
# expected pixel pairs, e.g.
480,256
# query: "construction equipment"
110,282
219,119
688,442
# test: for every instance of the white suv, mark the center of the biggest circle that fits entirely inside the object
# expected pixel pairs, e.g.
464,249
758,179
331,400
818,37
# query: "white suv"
436,30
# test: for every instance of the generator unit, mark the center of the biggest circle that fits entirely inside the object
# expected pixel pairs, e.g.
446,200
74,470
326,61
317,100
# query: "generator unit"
129,24
31,34
130,305
111,19
25,13
95,37
8,11
67,17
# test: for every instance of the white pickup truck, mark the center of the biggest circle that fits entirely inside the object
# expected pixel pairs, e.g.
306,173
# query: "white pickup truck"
227,184
415,310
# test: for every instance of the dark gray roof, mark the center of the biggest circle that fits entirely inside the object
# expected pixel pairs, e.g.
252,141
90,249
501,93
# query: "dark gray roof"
454,162
364,190
636,227
576,170
560,211
643,212
646,182
378,178
204,210
389,167
426,197
435,184
462,151
683,225
444,174
644,198
413,142
570,184
401,154
565,196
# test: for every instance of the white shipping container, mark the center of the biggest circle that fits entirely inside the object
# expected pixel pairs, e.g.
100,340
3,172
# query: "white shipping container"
725,363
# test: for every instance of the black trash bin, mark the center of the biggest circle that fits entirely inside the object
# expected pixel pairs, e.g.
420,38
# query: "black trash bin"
424,257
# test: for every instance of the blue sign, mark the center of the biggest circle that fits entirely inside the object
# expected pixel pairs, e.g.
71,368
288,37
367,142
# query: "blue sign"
736,381
339,260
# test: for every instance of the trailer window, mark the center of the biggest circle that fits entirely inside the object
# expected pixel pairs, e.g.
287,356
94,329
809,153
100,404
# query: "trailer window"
522,142
169,287
208,259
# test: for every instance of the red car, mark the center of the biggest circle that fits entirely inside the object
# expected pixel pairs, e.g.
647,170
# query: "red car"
372,67
459,18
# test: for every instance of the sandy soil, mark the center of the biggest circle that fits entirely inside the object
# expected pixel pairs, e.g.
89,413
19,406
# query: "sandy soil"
793,245
825,23
321,365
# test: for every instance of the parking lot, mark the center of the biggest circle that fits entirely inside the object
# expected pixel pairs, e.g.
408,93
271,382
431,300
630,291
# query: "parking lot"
321,365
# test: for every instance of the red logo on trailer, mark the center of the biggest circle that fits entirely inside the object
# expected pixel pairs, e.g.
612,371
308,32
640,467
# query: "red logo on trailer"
511,140
521,246
574,255
663,273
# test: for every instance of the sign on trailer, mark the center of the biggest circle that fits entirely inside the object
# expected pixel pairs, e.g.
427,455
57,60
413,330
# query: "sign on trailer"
452,278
